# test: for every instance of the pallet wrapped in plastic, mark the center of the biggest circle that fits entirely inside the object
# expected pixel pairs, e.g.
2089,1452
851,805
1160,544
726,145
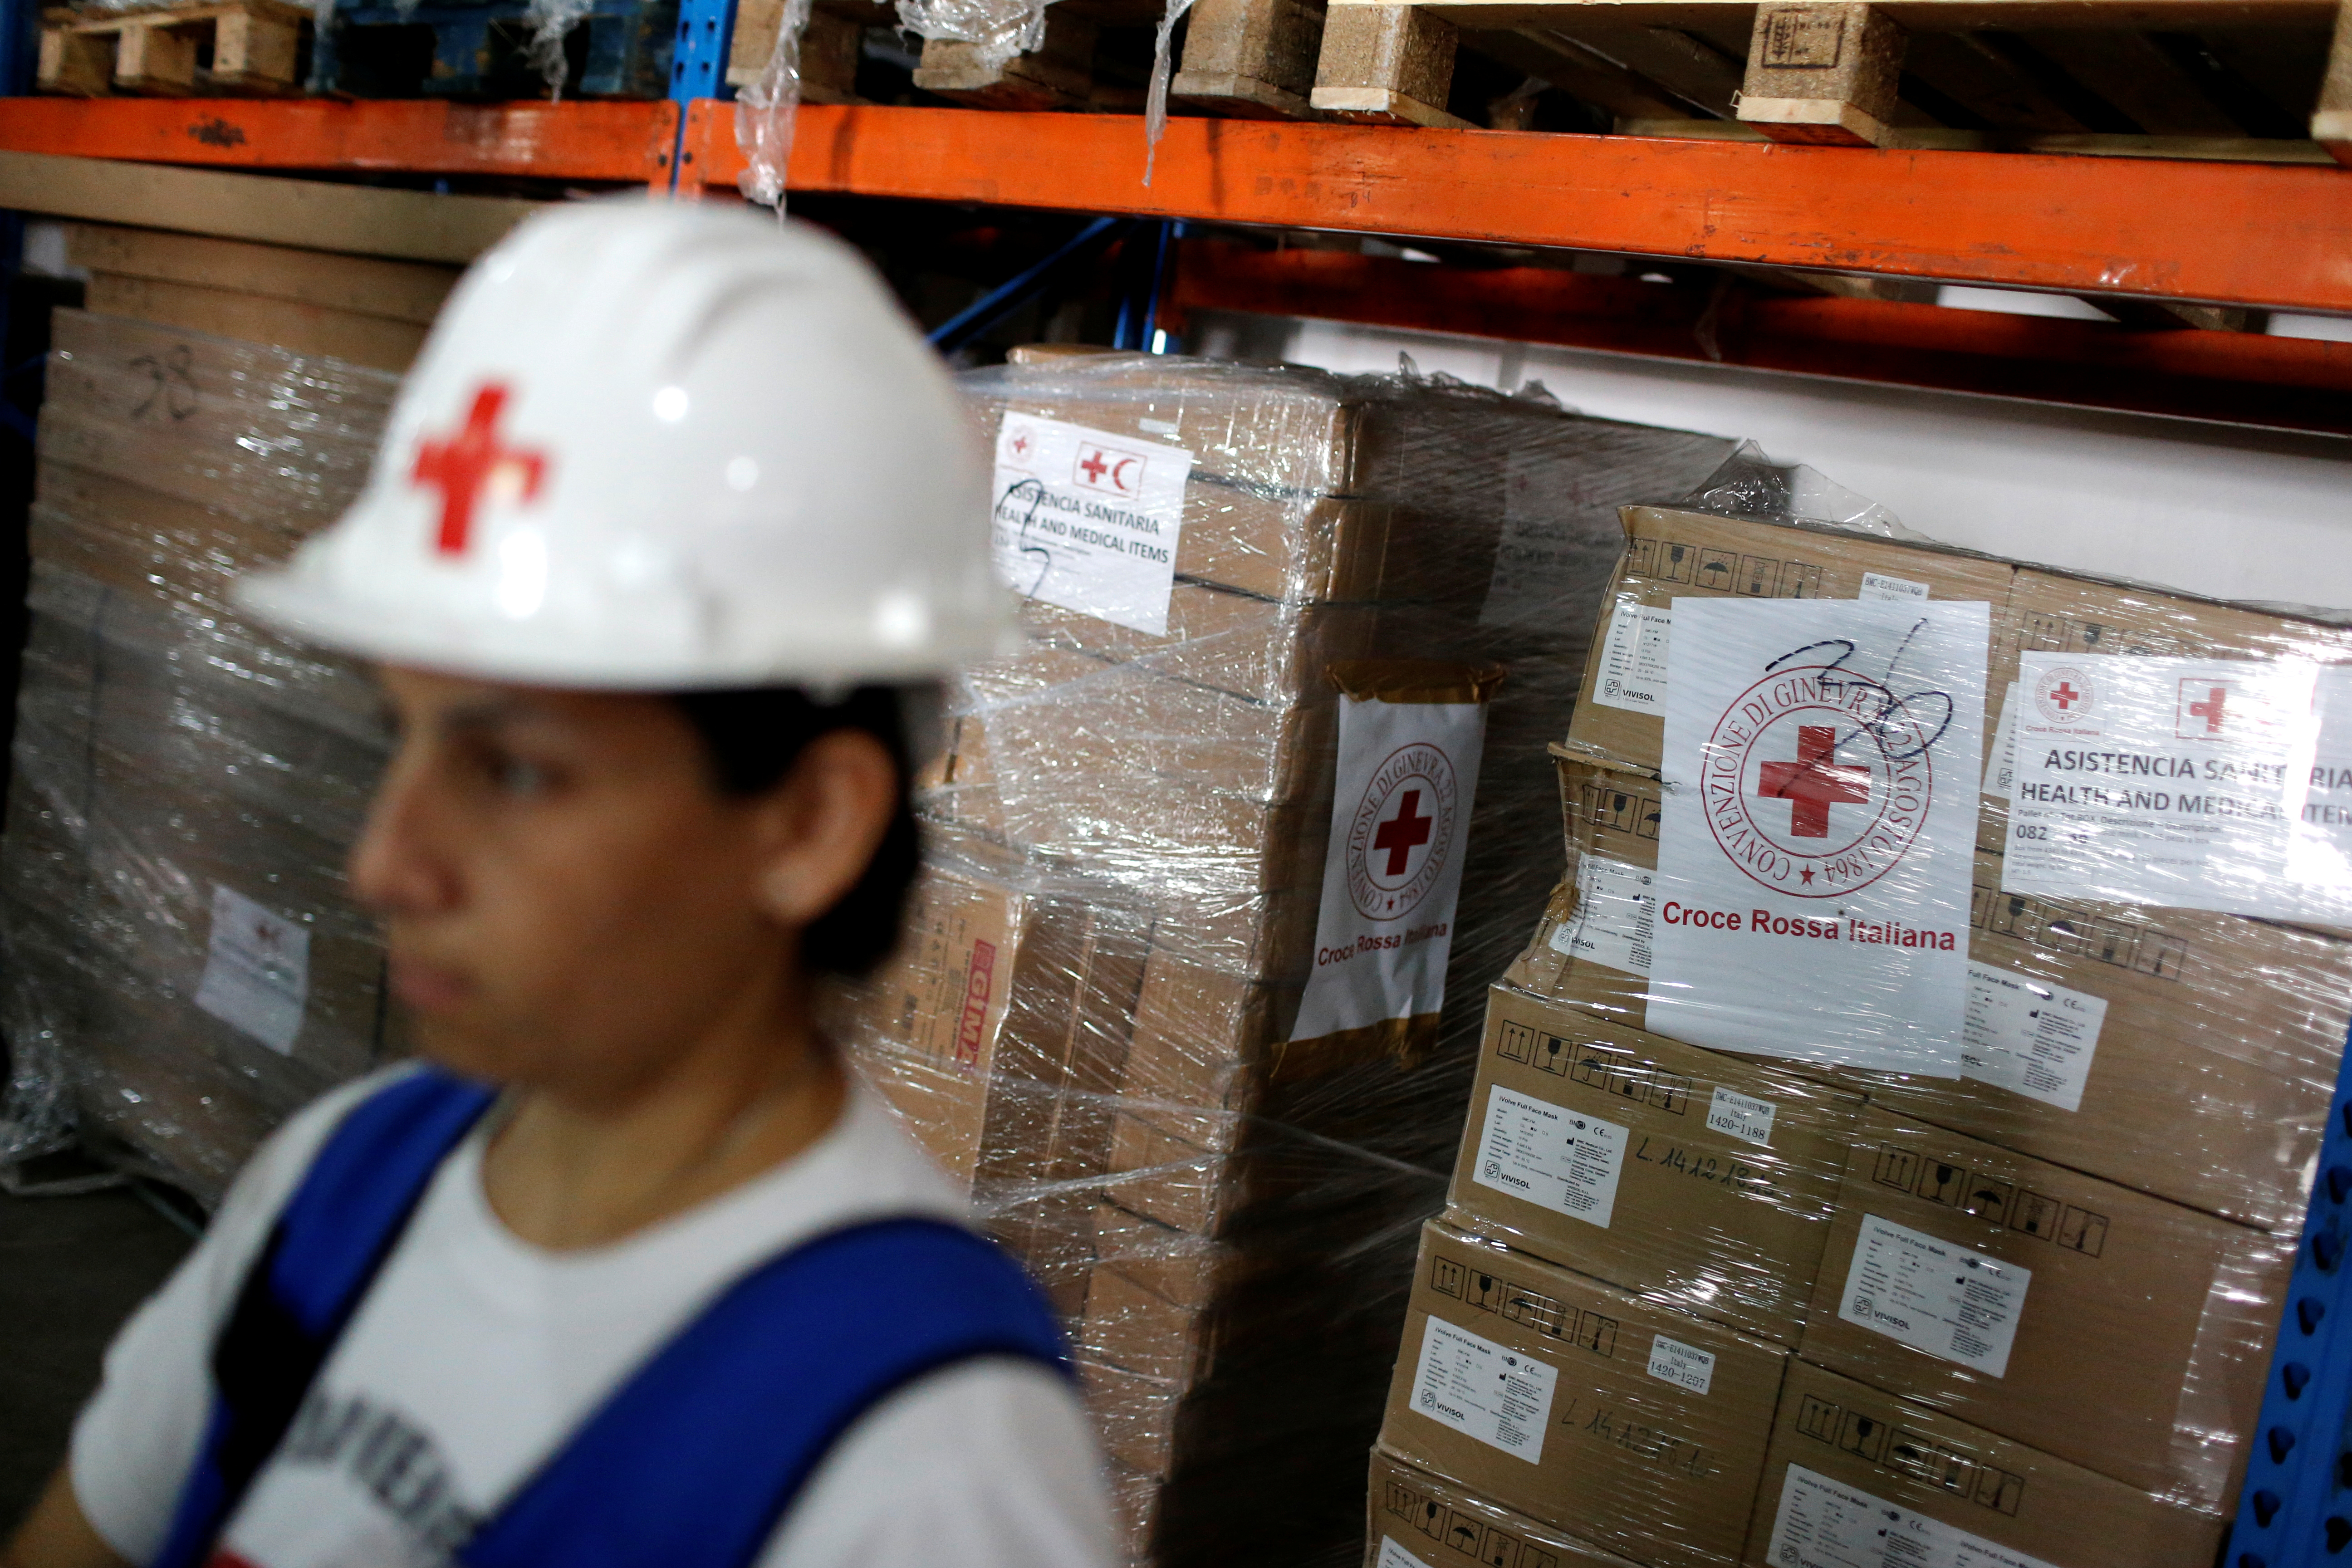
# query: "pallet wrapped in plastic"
2046,867
184,967
1231,578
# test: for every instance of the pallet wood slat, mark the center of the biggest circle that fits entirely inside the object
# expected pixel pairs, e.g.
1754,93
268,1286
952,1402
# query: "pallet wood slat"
160,51
1386,64
1252,58
2331,121
1822,74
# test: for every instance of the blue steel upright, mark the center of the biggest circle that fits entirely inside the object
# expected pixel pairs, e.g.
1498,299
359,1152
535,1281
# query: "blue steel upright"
706,36
2296,1508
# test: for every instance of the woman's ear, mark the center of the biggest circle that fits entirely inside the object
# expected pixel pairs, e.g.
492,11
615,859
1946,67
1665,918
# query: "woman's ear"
822,825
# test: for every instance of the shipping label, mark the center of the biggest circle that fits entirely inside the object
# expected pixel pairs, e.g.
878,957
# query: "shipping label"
1632,672
1088,520
1400,829
1741,1116
1616,915
1879,588
257,970
2033,1037
1934,1295
1564,1160
1825,1523
1816,842
1686,1366
2170,782
1395,1556
1490,1392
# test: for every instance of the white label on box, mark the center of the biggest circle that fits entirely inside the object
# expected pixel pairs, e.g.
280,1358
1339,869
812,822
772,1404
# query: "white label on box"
1616,914
1934,1295
1395,1556
257,970
2000,767
1633,674
2319,849
2030,1036
1400,831
2169,782
1887,590
1087,520
1685,1367
1564,1160
1817,840
1490,1392
1825,1523
1741,1116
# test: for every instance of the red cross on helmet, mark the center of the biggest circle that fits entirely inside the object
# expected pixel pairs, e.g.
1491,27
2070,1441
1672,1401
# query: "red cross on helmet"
660,445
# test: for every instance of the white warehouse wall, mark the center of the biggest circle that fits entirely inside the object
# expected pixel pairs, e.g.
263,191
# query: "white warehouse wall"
2215,509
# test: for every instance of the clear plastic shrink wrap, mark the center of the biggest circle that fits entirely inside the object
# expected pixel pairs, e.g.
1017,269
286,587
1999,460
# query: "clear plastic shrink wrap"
1984,845
1124,1014
183,966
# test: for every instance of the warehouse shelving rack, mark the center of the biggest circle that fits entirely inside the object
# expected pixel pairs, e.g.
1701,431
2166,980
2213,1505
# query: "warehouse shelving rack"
2277,237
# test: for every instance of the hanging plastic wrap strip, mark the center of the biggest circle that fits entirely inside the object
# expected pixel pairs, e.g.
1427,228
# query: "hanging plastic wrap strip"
766,111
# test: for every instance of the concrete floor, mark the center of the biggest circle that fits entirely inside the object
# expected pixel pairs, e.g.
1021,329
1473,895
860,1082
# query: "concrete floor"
72,1269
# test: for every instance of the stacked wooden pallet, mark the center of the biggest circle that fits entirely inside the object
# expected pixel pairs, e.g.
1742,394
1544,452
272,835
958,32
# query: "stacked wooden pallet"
2248,80
240,47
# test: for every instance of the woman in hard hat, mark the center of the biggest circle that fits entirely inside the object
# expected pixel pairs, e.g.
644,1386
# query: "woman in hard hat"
674,523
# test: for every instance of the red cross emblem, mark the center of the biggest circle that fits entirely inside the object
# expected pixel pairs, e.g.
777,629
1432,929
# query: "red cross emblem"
463,464
2064,695
2210,709
1403,833
1814,783
1020,445
1095,466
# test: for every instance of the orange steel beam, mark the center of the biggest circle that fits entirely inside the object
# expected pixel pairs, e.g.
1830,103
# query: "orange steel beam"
2240,377
2227,234
566,141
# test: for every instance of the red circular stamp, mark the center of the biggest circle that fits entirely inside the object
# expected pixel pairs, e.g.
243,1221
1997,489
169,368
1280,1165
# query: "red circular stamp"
1816,782
2066,695
1401,832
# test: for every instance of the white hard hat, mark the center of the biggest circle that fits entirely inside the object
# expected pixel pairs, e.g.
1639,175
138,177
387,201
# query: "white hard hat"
659,445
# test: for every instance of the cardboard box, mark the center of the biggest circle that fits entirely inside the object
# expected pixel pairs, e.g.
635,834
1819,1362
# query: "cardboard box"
1577,1405
1416,1519
1680,1174
2198,1052
1000,1028
1848,1462
1673,554
1260,649
244,427
2125,1333
2188,1055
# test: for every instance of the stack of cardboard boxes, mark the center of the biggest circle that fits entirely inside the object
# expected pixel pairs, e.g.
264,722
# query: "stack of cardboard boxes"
1119,920
184,967
1689,1307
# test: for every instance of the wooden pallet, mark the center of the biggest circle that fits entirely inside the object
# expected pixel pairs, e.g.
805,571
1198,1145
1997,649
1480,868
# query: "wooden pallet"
2250,80
237,47
2214,71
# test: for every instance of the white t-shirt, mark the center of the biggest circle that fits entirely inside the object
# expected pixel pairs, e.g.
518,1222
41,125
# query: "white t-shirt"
476,1354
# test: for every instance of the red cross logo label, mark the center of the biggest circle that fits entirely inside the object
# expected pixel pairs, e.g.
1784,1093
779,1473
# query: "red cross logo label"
1851,752
2204,708
1401,834
472,460
1101,468
1814,782
2066,695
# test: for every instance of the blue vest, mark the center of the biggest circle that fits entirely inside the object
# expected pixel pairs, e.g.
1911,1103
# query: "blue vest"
694,1458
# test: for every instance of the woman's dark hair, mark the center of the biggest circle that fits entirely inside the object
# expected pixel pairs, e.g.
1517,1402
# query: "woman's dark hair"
753,738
